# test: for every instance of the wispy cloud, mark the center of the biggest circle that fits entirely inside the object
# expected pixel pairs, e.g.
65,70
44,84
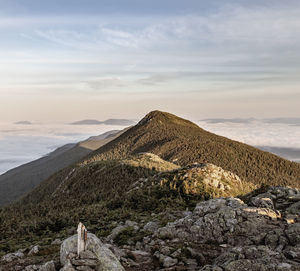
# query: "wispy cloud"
229,51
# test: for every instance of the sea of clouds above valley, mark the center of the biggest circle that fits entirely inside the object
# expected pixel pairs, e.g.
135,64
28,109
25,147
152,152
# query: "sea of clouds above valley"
271,135
20,144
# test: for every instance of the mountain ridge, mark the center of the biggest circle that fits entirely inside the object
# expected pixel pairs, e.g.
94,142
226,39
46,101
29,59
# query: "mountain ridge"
177,140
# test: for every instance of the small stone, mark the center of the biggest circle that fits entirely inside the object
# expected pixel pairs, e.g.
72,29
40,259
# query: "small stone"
68,267
86,254
31,268
139,256
151,227
49,266
34,250
168,262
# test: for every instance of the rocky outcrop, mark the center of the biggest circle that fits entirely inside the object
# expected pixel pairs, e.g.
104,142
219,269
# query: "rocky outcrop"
196,179
95,257
224,234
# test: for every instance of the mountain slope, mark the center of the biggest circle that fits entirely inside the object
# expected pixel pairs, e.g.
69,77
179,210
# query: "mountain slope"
19,181
177,140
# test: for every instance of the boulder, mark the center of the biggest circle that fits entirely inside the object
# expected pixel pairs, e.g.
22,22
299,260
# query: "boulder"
12,256
105,259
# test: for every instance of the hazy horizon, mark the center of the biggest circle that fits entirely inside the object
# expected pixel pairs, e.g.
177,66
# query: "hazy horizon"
69,60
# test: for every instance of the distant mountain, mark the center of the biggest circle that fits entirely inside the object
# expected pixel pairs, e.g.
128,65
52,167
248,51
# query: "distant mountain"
233,120
87,122
23,122
289,121
20,180
119,122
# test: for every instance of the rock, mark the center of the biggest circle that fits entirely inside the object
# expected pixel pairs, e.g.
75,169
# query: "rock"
294,208
32,268
222,221
56,242
106,260
87,255
68,267
116,231
151,226
49,266
254,258
196,255
140,256
293,233
168,262
119,253
293,253
85,262
233,235
211,268
84,268
12,256
176,253
34,250
132,224
165,250
262,202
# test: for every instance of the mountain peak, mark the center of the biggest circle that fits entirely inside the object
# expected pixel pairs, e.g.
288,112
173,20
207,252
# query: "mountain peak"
157,116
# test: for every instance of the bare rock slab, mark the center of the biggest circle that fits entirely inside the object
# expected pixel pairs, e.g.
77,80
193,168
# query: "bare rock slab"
105,260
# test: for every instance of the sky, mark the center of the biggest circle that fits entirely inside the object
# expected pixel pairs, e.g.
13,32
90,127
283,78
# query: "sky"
65,60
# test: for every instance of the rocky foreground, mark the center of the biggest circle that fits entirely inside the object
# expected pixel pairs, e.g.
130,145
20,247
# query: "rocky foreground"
223,234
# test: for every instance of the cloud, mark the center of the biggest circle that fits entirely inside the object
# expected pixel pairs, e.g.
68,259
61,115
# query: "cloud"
19,146
256,132
156,79
106,83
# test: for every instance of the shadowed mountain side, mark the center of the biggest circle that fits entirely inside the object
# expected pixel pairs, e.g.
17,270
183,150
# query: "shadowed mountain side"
183,142
96,181
19,181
